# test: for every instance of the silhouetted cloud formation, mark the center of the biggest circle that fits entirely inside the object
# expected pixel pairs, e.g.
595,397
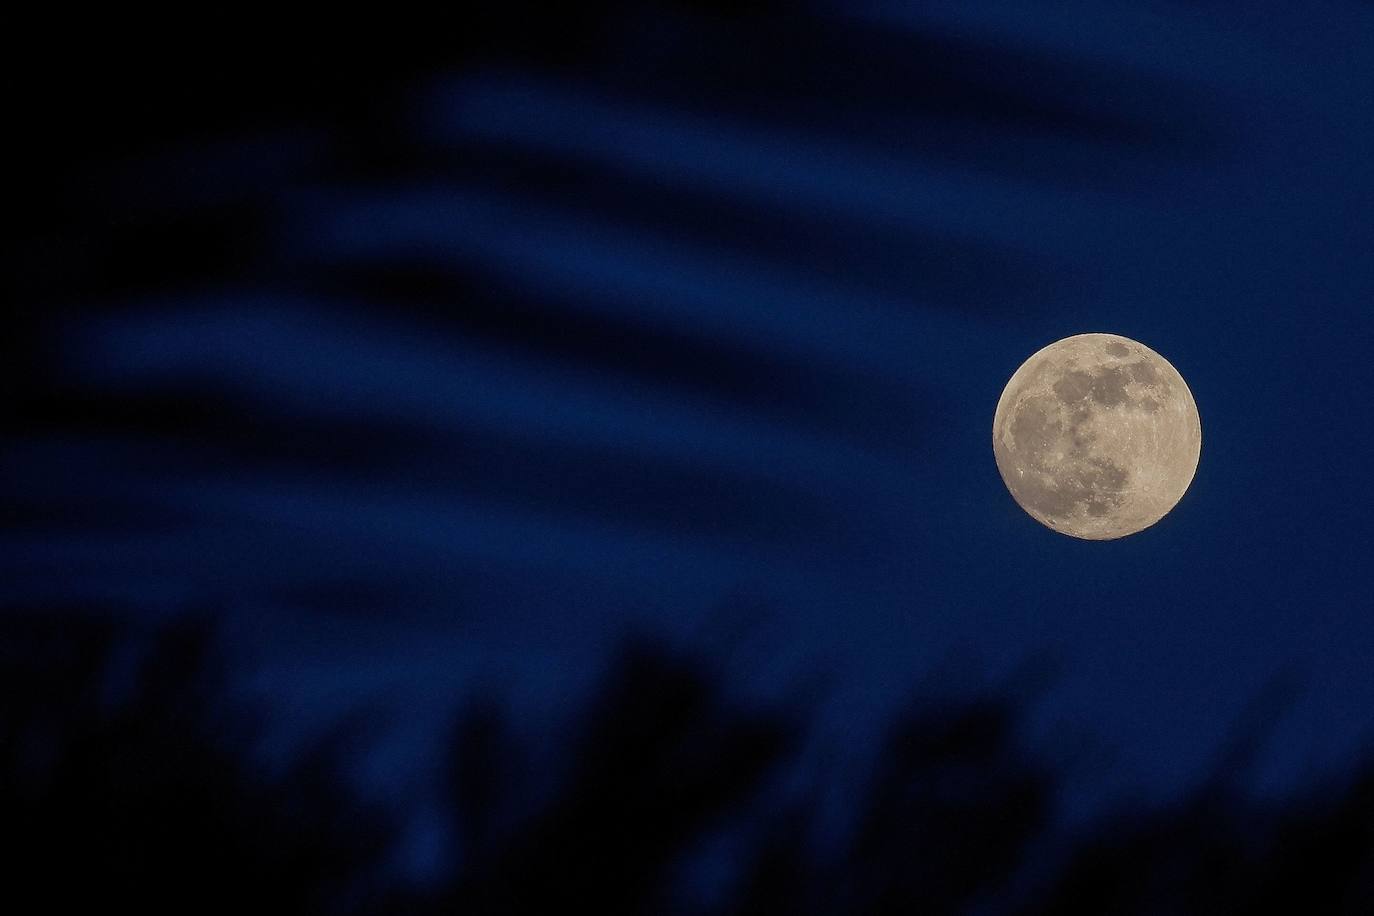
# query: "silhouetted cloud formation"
126,778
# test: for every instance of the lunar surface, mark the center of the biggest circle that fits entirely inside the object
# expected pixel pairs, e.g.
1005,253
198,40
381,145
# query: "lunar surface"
1097,436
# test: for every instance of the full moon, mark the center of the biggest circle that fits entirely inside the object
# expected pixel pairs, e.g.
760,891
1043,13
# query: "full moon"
1097,436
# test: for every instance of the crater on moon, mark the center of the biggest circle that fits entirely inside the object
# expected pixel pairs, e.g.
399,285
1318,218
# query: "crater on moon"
1097,436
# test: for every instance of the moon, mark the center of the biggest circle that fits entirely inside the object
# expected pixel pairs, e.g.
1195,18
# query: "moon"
1097,436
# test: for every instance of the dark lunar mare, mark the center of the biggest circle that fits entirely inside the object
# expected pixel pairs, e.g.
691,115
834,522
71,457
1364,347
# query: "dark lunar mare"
1095,488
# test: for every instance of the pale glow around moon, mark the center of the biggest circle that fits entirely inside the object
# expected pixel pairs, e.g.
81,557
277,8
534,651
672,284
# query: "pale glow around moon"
1097,436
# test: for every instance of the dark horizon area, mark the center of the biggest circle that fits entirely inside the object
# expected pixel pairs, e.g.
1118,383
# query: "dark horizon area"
559,367
126,767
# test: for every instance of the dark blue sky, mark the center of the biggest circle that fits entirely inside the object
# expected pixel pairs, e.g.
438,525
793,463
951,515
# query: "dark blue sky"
696,327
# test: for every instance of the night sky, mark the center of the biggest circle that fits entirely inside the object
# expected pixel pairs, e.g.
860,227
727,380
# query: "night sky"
652,320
